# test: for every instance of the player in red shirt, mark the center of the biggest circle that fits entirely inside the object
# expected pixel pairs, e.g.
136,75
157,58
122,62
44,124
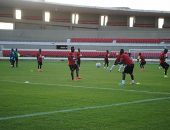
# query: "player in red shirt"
141,58
79,55
163,57
72,63
129,66
106,59
39,60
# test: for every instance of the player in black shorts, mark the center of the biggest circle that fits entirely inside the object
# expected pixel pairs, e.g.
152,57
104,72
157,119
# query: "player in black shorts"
163,64
106,60
39,60
72,64
129,66
142,60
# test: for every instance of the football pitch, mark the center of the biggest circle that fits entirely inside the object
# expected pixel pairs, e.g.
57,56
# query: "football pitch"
32,100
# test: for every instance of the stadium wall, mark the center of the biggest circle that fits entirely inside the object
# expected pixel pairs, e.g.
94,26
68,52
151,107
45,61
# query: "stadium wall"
62,35
33,28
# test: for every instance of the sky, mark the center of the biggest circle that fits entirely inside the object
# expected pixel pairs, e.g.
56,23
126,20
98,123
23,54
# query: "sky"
159,5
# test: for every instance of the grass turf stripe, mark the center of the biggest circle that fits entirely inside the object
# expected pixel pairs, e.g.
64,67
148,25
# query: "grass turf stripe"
81,108
75,86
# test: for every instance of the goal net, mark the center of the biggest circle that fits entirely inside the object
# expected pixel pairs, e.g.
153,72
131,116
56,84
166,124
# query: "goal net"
151,55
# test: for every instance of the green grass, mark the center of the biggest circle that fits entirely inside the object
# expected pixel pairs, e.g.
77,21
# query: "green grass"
53,90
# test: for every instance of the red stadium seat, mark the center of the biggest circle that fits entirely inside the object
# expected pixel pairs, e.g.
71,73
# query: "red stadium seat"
8,15
106,40
120,40
55,53
33,17
61,20
144,25
88,22
91,54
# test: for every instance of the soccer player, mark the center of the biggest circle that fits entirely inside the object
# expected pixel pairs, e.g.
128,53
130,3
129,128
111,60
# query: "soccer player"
79,55
142,61
106,60
12,57
16,57
39,60
129,66
72,64
163,57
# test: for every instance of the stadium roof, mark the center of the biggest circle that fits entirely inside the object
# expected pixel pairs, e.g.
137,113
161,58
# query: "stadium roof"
40,4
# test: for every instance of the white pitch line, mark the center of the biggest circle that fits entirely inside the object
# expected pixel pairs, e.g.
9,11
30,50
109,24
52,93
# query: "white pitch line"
81,108
85,87
128,90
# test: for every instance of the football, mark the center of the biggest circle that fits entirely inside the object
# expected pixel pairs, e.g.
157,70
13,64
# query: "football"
98,65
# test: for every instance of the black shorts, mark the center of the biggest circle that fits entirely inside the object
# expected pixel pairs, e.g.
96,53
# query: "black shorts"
39,63
129,69
12,61
164,65
143,63
106,60
78,62
16,59
73,67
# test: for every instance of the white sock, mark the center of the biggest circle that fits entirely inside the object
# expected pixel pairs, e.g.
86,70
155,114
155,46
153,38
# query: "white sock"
120,68
123,81
133,81
112,67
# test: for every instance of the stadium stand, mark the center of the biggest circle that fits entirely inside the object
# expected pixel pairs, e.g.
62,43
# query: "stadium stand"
144,25
103,40
32,17
120,40
88,22
140,40
117,23
7,15
86,54
56,53
61,20
88,33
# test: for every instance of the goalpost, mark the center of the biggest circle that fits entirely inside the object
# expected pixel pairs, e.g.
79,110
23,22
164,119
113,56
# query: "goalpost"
135,52
151,55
